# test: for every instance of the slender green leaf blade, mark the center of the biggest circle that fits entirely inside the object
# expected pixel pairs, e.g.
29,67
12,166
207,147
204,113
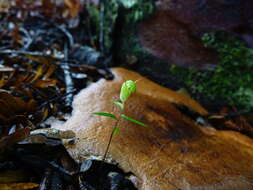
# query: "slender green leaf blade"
119,104
133,120
105,114
115,131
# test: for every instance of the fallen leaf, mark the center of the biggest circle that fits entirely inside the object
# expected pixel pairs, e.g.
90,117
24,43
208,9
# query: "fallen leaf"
18,186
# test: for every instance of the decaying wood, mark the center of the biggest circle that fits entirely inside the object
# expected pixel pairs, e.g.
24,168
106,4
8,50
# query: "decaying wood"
173,152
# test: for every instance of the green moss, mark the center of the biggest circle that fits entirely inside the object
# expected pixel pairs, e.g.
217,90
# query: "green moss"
231,80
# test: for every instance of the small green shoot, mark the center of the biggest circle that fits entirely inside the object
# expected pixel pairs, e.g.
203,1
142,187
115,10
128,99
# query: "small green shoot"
115,131
127,89
105,114
133,120
119,104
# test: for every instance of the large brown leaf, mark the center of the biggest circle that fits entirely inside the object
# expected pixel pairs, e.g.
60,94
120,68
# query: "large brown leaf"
173,33
19,135
171,40
207,15
173,152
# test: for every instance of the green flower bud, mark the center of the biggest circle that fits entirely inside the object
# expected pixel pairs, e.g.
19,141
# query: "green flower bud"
127,88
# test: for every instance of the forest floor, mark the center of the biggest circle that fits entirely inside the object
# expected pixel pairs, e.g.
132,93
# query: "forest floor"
47,55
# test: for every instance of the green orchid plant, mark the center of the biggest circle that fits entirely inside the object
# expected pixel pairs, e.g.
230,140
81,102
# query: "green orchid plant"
127,89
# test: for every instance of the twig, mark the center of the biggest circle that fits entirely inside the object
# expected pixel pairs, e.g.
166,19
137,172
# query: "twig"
29,38
55,99
21,52
67,34
68,79
61,169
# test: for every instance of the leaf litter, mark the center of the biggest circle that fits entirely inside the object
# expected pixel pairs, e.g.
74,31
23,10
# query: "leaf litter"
43,64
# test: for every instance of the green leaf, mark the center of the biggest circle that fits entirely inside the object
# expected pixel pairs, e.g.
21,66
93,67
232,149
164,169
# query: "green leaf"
119,104
105,114
127,89
115,131
133,120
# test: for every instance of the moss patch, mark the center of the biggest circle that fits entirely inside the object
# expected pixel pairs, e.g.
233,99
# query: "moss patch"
232,79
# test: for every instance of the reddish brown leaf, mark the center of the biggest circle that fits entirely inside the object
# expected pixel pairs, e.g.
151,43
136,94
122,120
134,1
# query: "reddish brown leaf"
15,104
15,34
48,6
51,69
12,139
206,15
21,106
12,176
5,78
21,78
20,119
45,83
9,100
39,72
5,110
42,114
173,33
31,105
3,120
170,40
